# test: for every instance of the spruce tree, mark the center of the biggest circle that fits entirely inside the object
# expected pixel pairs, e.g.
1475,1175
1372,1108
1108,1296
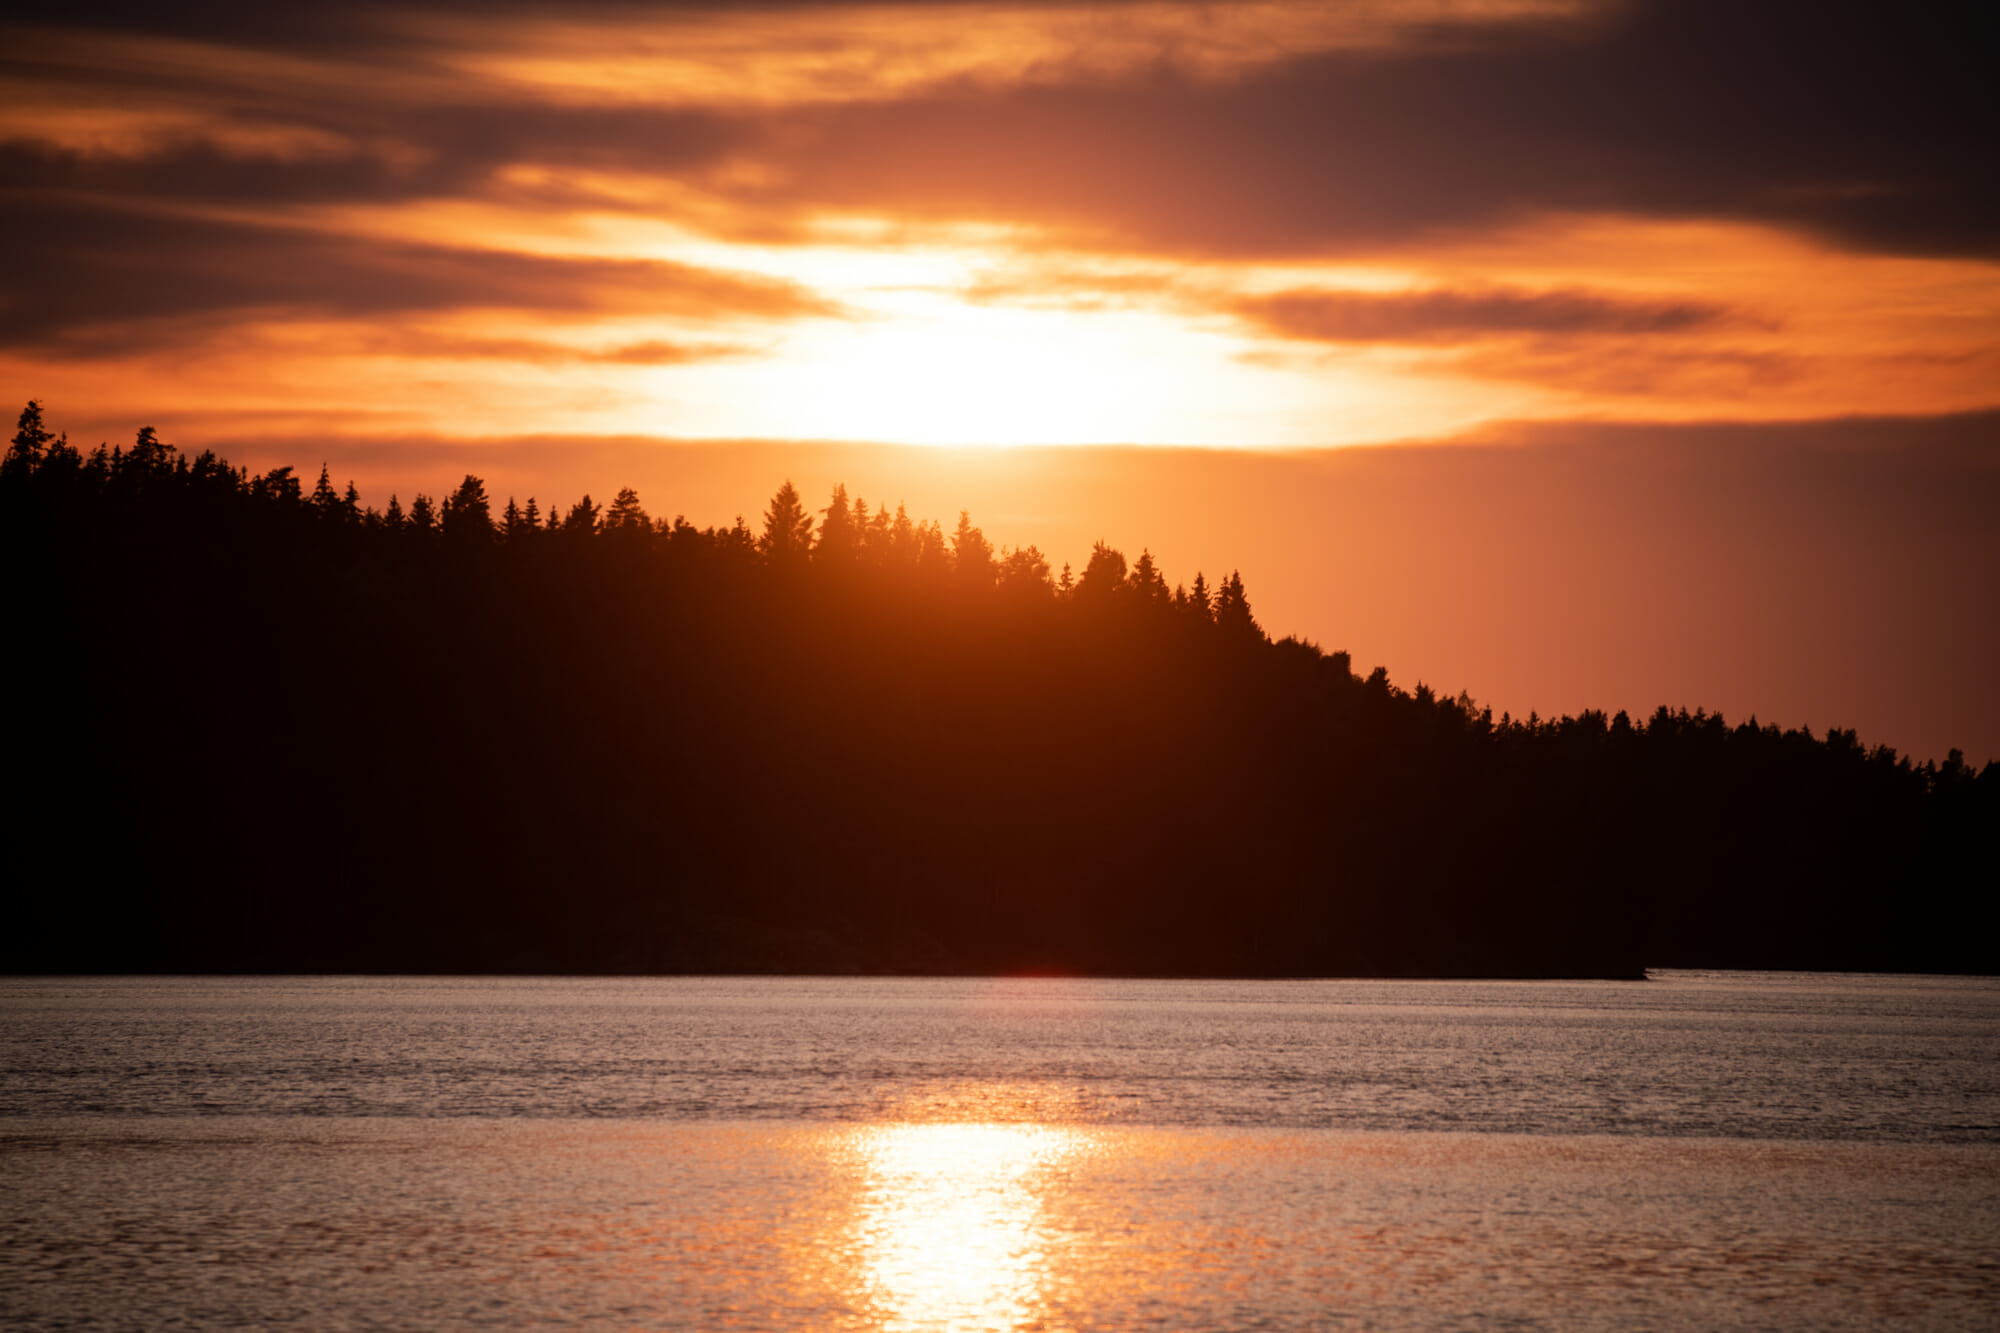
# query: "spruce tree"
30,441
787,528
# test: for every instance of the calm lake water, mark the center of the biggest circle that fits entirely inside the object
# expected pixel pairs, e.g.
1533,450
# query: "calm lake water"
1695,1151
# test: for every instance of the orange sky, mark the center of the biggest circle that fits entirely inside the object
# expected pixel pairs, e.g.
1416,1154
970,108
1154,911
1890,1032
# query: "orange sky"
382,234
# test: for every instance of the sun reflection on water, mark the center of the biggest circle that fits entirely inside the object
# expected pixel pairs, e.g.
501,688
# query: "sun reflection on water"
950,1229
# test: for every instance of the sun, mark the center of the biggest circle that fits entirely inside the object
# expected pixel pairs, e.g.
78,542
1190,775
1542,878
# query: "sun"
935,370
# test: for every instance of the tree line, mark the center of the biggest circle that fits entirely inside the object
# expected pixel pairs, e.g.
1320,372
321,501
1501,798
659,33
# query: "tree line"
263,727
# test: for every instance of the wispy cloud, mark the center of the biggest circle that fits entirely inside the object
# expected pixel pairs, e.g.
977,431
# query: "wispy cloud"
95,268
1457,315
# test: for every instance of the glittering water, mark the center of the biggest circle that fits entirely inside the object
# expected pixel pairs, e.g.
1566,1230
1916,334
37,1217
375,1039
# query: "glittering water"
1698,1151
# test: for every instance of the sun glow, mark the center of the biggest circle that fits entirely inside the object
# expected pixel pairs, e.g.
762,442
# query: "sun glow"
963,375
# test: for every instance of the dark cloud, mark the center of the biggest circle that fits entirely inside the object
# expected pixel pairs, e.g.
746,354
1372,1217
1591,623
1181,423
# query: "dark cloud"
540,352
374,26
204,172
1643,369
1454,316
1870,126
374,153
76,269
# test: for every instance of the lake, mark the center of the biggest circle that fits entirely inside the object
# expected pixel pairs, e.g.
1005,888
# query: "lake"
1728,1150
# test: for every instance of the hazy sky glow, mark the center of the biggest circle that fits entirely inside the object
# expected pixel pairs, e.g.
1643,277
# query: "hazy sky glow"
1265,226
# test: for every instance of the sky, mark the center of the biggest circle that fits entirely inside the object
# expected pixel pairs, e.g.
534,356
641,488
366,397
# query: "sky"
1571,354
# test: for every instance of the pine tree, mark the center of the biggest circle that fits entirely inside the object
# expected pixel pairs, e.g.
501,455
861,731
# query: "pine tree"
1105,574
787,528
1146,580
325,500
31,439
971,553
278,484
626,515
468,516
1232,610
1025,570
902,544
837,533
581,521
881,535
932,555
863,532
149,455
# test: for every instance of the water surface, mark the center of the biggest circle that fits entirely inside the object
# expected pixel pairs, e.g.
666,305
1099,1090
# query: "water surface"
1698,1151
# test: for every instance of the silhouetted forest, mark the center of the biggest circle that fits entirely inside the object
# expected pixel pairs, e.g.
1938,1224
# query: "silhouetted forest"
256,726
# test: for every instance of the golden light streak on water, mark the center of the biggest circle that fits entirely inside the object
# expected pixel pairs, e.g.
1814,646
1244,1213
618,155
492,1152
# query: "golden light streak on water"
949,1221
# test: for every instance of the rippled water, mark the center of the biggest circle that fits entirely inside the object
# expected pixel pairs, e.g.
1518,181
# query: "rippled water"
1743,1150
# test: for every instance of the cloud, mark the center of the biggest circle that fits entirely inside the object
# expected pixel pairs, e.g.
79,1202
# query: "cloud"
1708,374
77,268
1447,315
1061,287
1568,340
323,152
1866,127
406,342
818,45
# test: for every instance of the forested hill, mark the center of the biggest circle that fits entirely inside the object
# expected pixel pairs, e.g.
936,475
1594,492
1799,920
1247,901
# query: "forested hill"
253,726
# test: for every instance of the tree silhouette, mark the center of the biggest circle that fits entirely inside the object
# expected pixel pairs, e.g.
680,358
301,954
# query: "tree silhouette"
30,439
1146,579
648,747
1232,611
581,520
325,499
1199,603
971,554
1104,575
149,456
468,516
1025,570
787,535
838,536
627,517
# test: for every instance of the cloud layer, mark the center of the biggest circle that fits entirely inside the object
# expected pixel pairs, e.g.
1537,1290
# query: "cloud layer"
1453,316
